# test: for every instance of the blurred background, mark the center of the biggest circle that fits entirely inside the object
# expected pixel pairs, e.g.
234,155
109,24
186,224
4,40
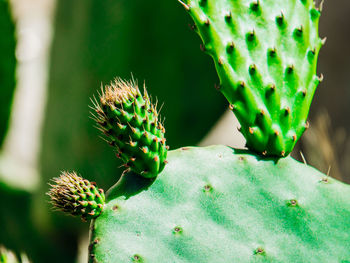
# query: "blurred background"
66,49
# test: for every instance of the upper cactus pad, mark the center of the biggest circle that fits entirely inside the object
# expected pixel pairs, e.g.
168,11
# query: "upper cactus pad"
132,124
265,52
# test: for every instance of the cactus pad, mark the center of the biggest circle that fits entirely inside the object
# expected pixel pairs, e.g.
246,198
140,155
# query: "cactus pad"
76,196
265,53
132,124
218,204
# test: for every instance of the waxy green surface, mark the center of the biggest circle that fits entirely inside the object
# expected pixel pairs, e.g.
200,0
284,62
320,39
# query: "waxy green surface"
218,204
265,53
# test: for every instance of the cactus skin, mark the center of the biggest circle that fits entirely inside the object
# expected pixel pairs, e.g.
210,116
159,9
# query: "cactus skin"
132,124
7,65
218,204
265,53
77,196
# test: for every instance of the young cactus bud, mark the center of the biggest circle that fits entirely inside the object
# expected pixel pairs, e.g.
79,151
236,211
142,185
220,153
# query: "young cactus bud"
132,125
76,196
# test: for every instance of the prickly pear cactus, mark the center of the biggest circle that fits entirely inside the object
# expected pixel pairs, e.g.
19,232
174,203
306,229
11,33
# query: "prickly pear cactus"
219,204
265,53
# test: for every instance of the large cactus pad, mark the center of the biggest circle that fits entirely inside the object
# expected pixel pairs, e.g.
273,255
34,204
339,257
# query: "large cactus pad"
265,52
222,205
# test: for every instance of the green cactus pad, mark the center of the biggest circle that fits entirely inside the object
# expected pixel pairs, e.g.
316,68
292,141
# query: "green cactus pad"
132,124
218,204
76,196
7,65
265,53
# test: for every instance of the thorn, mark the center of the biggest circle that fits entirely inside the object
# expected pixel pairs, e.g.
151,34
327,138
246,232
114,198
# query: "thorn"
242,84
217,87
264,153
228,16
302,157
239,129
184,5
207,22
156,158
232,107
262,112
144,149
323,41
255,5
283,153
299,30
167,147
287,111
251,35
133,159
272,87
320,78
230,46
220,61
276,133
272,52
202,47
252,69
280,19
304,93
251,130
294,137
307,125
320,7
165,162
192,27
290,69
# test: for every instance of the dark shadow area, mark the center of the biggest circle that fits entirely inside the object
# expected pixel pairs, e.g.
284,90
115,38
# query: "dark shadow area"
129,184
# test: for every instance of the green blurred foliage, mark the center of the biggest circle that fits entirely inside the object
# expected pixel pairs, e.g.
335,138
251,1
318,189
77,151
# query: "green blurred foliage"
7,66
96,41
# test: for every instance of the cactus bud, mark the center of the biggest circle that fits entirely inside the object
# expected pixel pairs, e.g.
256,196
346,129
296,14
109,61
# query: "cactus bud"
77,196
133,127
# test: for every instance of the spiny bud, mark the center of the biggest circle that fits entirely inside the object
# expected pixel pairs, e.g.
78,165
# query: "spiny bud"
77,196
132,126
